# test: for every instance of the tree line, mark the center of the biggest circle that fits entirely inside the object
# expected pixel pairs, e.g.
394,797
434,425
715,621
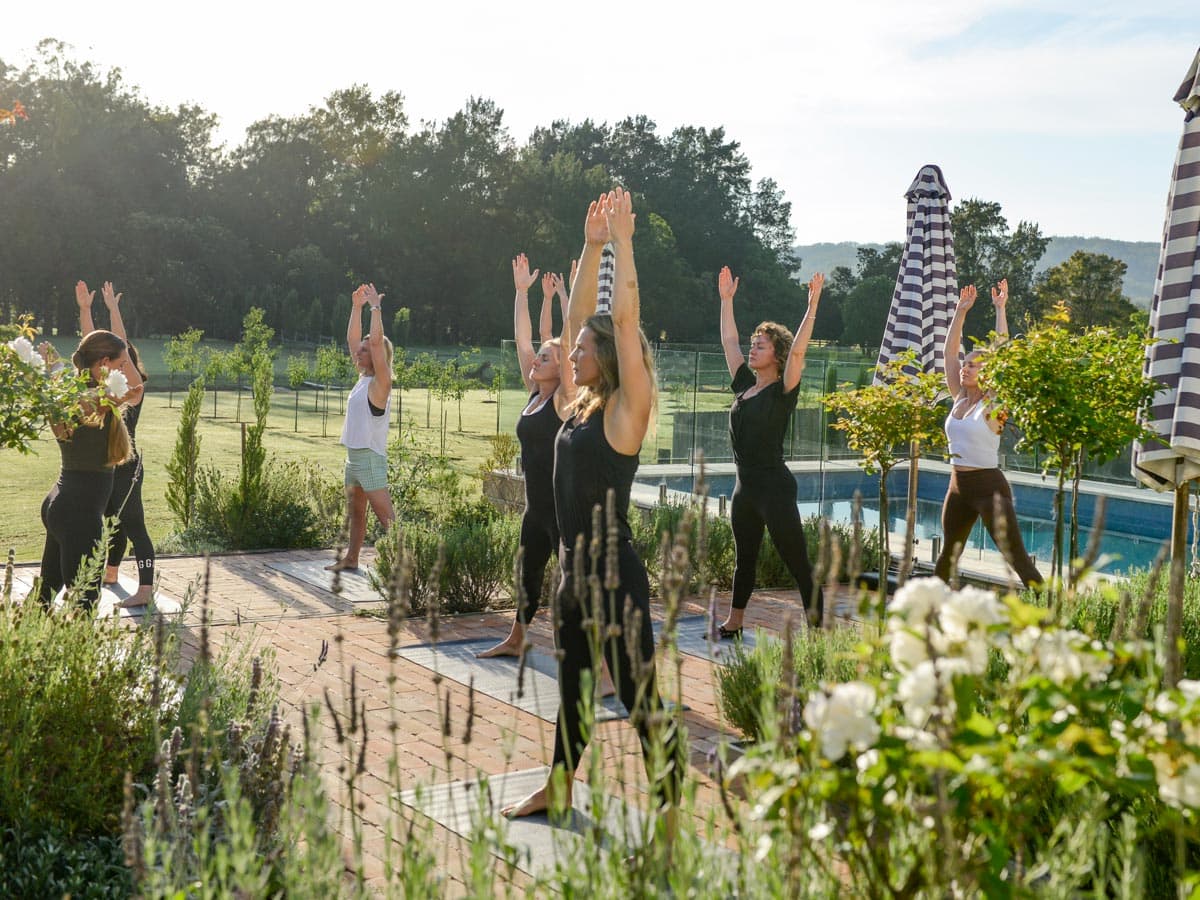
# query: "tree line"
99,183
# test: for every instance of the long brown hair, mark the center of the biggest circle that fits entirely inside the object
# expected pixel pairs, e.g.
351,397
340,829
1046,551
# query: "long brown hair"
590,399
95,346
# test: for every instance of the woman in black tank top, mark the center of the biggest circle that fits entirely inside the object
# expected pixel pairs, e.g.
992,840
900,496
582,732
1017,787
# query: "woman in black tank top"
73,511
595,459
536,428
764,498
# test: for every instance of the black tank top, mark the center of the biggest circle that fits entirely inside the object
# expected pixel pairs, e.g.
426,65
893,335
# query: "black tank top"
758,424
536,432
131,414
585,467
86,450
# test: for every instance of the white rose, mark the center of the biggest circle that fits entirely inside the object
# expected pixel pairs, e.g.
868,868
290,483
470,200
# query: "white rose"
116,384
843,718
918,598
25,352
908,650
968,610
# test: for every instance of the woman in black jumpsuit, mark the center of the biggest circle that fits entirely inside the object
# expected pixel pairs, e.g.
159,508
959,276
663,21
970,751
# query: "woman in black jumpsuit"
595,458
766,388
536,430
73,511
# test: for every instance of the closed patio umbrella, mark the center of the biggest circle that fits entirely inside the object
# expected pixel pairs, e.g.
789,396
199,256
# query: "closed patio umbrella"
606,280
922,304
924,296
1171,459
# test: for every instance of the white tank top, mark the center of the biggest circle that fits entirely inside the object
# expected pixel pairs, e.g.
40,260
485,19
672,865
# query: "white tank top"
972,441
363,431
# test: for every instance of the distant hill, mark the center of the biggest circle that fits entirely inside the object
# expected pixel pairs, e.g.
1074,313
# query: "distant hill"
1140,256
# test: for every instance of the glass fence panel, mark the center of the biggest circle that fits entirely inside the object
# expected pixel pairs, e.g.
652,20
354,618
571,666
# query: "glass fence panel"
693,411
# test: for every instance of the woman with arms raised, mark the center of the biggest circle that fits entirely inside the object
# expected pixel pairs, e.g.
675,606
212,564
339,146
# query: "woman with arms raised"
765,389
595,456
91,448
126,500
365,431
977,489
536,430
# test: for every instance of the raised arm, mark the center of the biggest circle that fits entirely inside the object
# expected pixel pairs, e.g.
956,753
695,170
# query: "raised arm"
966,299
727,286
381,383
550,283
1000,302
522,329
582,301
84,298
628,413
795,361
113,302
354,328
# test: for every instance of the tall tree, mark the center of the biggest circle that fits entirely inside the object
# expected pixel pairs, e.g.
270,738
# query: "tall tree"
1089,286
985,251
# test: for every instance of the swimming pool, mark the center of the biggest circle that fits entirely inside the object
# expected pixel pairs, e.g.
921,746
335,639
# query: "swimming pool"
1134,530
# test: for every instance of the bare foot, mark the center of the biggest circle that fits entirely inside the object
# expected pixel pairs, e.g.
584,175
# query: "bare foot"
606,688
111,575
537,802
137,600
507,647
344,565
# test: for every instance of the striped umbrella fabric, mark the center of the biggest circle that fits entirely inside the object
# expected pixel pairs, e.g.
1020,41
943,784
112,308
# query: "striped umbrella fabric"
604,287
924,297
1172,457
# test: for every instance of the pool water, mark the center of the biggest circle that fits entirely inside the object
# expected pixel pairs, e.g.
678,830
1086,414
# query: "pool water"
1133,535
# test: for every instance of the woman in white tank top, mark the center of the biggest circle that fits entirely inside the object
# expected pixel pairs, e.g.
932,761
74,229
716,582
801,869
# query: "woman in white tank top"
978,489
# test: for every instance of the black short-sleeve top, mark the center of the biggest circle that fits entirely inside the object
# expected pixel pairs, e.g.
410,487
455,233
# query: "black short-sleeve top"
86,450
758,424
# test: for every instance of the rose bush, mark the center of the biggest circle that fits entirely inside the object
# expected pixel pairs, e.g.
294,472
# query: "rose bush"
998,754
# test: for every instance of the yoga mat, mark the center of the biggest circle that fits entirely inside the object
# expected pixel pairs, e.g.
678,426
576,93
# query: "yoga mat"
691,637
110,596
539,844
356,588
497,677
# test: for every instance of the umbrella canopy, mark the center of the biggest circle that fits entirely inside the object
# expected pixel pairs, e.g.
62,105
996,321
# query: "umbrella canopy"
924,298
1172,457
604,285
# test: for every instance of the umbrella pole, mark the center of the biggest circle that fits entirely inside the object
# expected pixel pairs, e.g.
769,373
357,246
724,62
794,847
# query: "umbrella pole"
910,517
1179,523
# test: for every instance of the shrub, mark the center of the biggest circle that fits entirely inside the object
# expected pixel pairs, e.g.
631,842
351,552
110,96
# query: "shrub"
282,516
76,713
54,864
183,466
476,561
747,684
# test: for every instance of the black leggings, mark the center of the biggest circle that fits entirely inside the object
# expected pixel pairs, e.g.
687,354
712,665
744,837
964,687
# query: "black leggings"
539,541
627,607
125,503
979,494
73,513
766,498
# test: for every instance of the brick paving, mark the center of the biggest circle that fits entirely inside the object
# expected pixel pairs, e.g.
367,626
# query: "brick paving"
293,621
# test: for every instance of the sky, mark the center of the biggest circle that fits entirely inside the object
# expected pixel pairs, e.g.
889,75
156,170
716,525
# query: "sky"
1059,110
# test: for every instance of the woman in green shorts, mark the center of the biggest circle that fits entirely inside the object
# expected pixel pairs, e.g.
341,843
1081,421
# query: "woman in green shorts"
365,434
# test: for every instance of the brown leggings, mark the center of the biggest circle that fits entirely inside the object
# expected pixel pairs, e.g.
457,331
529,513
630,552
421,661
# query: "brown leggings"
981,494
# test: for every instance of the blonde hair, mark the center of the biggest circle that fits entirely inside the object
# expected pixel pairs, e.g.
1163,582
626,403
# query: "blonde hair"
781,341
388,351
95,346
590,399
